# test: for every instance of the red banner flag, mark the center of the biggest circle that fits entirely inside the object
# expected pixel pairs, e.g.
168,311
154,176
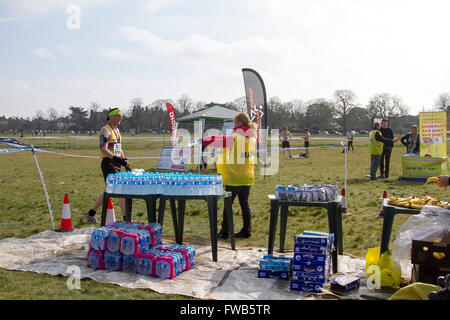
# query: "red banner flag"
172,117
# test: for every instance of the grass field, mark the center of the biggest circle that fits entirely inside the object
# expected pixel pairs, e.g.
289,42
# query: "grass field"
24,212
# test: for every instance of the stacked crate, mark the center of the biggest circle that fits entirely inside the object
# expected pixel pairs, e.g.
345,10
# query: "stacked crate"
312,261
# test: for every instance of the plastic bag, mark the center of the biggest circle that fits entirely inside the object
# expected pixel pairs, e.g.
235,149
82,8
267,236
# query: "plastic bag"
431,224
390,270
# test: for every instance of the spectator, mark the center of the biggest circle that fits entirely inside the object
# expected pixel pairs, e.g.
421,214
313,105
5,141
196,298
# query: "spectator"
386,132
411,141
376,141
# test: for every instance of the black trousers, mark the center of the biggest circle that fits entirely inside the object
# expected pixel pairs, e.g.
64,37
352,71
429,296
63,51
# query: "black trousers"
385,160
350,144
243,193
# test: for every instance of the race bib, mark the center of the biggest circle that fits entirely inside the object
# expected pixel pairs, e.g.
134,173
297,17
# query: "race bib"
118,149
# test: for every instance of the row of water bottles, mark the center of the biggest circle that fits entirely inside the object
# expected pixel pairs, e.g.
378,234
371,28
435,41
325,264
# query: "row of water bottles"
139,181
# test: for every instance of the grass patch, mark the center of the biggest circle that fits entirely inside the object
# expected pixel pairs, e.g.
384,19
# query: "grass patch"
24,212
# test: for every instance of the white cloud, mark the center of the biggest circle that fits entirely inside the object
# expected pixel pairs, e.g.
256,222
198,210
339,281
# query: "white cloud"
44,54
120,54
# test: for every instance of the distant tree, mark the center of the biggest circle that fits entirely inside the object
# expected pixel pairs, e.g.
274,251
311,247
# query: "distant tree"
78,118
344,101
52,116
358,119
442,103
319,114
385,105
240,104
185,104
136,114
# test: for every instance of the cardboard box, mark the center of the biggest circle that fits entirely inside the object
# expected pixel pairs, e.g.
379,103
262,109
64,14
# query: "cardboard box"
306,286
312,248
311,277
344,284
273,274
314,238
305,257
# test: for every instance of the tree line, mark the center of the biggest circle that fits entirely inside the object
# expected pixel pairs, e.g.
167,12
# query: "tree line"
338,114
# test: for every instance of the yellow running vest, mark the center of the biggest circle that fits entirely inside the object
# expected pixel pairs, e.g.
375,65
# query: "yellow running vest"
115,138
237,166
375,147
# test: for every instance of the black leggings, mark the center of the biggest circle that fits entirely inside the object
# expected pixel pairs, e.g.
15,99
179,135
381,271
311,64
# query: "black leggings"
243,193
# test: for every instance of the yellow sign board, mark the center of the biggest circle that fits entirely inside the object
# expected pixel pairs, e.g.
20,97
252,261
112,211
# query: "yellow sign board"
433,134
424,167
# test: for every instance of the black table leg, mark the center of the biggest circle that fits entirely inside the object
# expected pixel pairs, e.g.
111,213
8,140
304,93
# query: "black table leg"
162,208
104,210
227,202
274,207
212,212
339,229
128,208
283,223
388,221
181,211
151,209
173,209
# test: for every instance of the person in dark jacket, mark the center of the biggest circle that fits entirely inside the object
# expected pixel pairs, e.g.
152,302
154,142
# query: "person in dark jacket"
386,132
412,141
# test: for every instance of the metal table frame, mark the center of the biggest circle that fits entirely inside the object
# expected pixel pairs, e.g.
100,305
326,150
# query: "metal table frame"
178,219
334,222
388,221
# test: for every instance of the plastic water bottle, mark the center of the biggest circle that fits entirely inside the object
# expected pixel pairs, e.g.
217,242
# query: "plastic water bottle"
109,183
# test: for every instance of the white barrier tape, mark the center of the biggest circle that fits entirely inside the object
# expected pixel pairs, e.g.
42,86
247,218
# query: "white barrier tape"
195,156
4,151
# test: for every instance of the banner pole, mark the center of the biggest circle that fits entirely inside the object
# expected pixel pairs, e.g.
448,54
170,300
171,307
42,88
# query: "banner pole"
43,186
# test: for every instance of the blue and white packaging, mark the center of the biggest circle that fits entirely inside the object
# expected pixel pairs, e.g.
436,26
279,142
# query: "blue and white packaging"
312,248
307,276
306,286
129,264
273,274
113,260
306,257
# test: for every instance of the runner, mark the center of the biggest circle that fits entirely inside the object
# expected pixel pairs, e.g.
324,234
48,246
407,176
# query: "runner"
306,137
285,138
112,158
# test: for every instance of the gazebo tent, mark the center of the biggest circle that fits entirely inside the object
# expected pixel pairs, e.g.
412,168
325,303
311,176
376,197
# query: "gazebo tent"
214,114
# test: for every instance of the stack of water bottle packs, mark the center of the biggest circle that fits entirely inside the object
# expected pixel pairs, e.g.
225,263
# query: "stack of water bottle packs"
312,261
137,248
139,181
275,267
307,192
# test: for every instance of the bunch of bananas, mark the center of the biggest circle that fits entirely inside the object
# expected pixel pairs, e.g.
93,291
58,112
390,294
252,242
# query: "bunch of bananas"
418,203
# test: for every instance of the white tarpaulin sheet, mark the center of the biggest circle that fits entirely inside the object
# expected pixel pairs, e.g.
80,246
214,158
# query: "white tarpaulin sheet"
233,276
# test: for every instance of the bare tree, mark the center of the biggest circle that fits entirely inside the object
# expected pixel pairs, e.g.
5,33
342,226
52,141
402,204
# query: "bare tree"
385,105
344,102
185,104
52,116
240,104
442,102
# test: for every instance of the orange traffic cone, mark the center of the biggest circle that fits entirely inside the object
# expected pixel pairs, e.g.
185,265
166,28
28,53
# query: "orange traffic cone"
381,214
344,201
110,214
66,219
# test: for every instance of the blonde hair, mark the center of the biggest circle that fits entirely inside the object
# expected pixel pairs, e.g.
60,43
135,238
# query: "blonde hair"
244,119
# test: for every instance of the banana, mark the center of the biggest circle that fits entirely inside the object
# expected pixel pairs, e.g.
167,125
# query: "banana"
432,179
418,203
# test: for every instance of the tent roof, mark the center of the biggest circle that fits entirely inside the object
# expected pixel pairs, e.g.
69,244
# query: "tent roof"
215,113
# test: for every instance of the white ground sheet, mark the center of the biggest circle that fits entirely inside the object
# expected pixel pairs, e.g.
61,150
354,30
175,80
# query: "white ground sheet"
233,276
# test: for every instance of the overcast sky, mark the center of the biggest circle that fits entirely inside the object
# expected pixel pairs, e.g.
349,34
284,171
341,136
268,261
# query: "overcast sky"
157,49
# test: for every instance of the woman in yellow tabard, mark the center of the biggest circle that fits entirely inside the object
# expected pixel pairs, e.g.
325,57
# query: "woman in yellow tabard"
236,165
112,158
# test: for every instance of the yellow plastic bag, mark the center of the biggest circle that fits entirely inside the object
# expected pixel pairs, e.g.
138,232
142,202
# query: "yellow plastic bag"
390,270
